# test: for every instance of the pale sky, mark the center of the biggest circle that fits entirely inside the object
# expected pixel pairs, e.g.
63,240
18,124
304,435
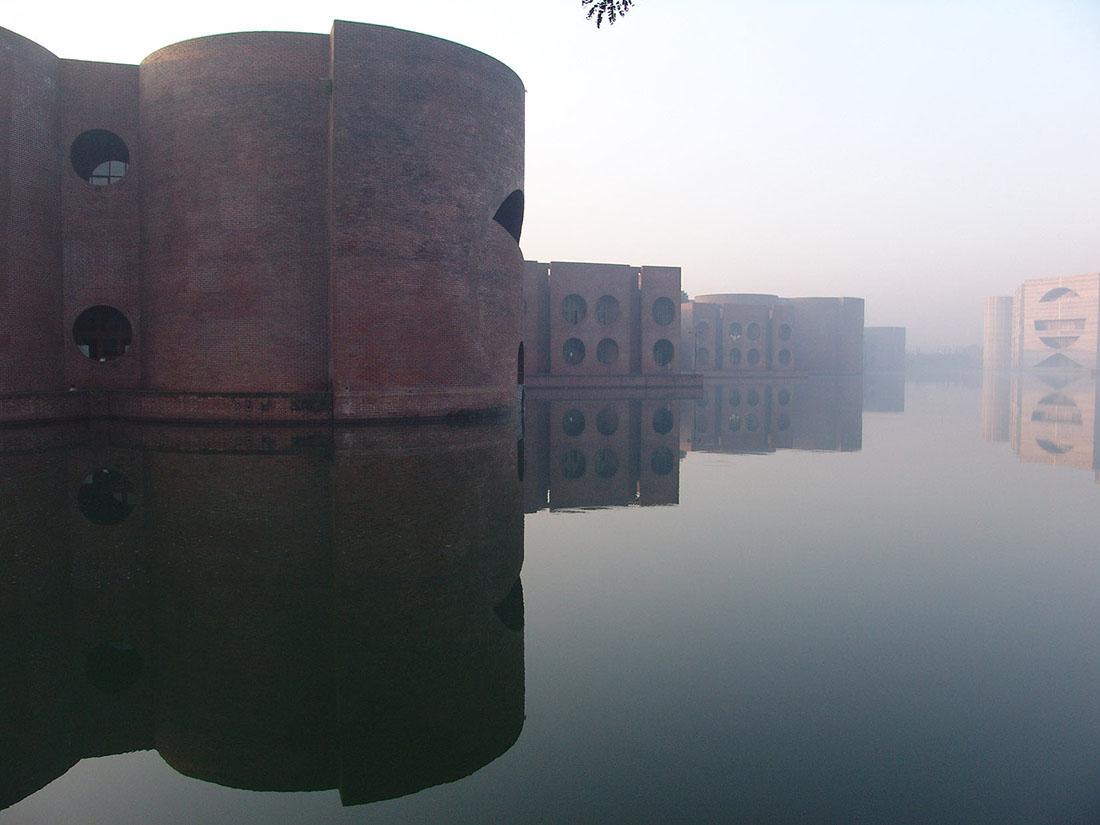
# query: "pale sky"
919,154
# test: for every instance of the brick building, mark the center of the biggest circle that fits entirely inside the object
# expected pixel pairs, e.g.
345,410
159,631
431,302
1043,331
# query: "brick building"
263,226
749,334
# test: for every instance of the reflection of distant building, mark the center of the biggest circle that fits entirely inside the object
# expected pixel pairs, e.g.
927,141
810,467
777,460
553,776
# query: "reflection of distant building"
599,451
1054,325
765,414
884,392
996,400
267,609
736,334
884,349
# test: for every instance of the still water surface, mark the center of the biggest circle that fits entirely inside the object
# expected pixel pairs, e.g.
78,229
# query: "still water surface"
840,615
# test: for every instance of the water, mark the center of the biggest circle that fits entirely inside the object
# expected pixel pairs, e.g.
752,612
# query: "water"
860,616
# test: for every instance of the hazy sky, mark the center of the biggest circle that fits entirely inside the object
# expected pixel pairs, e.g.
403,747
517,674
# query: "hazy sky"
920,154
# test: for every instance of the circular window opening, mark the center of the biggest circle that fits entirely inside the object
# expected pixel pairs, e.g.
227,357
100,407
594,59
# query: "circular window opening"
662,421
735,397
735,331
753,397
607,421
573,464
751,423
113,666
785,332
754,357
100,157
662,461
784,422
607,463
607,310
735,356
102,333
663,352
664,311
607,351
573,423
785,357
702,356
754,331
573,351
106,497
573,309
784,397
735,422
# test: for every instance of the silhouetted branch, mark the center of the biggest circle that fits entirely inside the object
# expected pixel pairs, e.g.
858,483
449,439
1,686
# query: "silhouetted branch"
610,9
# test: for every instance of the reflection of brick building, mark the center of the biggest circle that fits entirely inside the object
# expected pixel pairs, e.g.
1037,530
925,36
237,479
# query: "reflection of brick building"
1055,325
600,323
228,231
234,600
599,451
739,334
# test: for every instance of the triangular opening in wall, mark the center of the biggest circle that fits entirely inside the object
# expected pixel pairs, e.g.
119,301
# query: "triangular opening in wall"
1058,361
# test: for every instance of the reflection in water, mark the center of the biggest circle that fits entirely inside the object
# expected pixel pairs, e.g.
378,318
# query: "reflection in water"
1048,419
269,610
884,392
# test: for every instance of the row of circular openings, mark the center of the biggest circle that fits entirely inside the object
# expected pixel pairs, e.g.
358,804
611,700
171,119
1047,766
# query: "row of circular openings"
574,465
573,423
99,157
752,397
607,352
702,357
735,331
574,309
752,423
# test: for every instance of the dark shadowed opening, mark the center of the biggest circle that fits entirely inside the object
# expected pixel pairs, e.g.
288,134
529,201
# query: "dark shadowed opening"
510,214
1058,292
113,667
102,333
519,365
510,609
106,497
100,157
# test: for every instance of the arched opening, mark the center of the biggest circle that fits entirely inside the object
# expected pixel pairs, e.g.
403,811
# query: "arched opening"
100,157
102,333
113,667
510,214
1058,293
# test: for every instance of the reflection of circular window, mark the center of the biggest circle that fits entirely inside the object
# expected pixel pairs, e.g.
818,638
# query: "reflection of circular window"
785,332
784,422
735,331
662,420
664,311
784,397
751,423
106,497
754,331
735,356
102,333
573,351
607,421
785,357
607,463
572,423
573,309
702,357
100,157
607,309
735,422
735,397
663,352
754,357
113,666
607,351
753,397
662,461
573,464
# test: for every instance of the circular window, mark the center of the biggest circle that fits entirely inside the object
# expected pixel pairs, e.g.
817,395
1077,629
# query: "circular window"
784,397
664,311
100,157
102,333
735,331
702,357
662,420
106,497
573,464
754,357
735,422
735,397
572,423
702,328
113,666
573,309
607,309
607,351
785,332
573,351
753,397
783,422
735,356
754,331
607,463
785,357
607,421
751,423
662,461
663,352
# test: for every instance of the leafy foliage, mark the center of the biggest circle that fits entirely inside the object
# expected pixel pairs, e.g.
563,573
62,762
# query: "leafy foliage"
612,10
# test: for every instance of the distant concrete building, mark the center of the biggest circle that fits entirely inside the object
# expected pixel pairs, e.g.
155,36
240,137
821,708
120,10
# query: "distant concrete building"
1054,326
884,349
751,334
